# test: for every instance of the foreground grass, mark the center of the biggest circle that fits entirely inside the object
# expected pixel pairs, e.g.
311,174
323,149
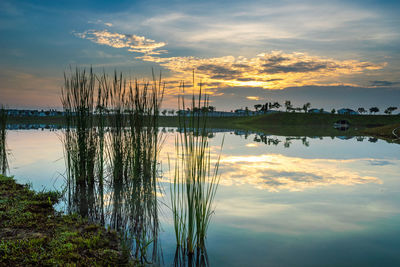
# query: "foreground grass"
32,233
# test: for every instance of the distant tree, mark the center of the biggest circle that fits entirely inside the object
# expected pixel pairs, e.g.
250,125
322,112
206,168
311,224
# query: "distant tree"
288,105
321,110
211,108
374,110
333,111
265,107
164,112
361,110
306,107
389,110
196,109
171,112
257,107
247,110
276,105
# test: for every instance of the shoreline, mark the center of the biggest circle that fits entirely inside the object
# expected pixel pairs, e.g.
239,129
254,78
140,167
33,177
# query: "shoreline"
279,123
33,233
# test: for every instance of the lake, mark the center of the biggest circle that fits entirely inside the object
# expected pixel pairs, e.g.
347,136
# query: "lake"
281,201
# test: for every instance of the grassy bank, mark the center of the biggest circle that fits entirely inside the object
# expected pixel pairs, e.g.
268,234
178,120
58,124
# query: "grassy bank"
282,123
33,233
296,124
300,124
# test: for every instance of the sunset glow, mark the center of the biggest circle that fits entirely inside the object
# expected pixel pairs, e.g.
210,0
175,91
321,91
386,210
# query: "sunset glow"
240,54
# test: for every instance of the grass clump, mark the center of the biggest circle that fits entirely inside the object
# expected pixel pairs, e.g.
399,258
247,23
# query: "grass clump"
195,181
133,146
80,140
111,146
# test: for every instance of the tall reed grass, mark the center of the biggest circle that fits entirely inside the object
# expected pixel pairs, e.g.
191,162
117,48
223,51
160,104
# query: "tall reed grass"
121,173
143,105
195,181
80,138
3,144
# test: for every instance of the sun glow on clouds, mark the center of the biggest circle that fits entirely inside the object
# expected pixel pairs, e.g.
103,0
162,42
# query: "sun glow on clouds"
273,70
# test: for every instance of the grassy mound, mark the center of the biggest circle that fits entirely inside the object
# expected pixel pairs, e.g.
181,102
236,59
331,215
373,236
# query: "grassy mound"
32,233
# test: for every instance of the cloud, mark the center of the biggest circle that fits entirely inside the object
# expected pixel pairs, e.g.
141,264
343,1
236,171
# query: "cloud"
269,70
218,72
383,83
273,70
100,22
131,42
380,162
253,98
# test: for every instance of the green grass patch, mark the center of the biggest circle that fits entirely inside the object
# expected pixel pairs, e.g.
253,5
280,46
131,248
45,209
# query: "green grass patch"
32,233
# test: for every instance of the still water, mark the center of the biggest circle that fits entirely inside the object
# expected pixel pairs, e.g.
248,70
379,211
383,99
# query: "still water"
281,201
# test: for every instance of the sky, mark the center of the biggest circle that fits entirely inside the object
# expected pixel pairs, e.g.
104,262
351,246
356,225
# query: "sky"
332,54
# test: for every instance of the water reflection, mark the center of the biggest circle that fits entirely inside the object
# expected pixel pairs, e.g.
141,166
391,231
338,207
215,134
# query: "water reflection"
275,172
304,140
126,199
198,258
258,137
335,196
34,126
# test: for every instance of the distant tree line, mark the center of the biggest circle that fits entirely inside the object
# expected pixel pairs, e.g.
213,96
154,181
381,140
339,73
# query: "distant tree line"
306,107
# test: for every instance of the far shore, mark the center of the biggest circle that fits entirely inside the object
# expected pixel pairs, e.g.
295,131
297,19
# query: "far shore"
279,123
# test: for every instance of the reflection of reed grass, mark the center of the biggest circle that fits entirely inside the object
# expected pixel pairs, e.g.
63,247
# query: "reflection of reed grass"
3,136
195,182
199,258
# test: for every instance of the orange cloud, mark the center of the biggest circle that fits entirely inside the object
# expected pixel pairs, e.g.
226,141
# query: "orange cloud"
133,43
253,98
275,70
